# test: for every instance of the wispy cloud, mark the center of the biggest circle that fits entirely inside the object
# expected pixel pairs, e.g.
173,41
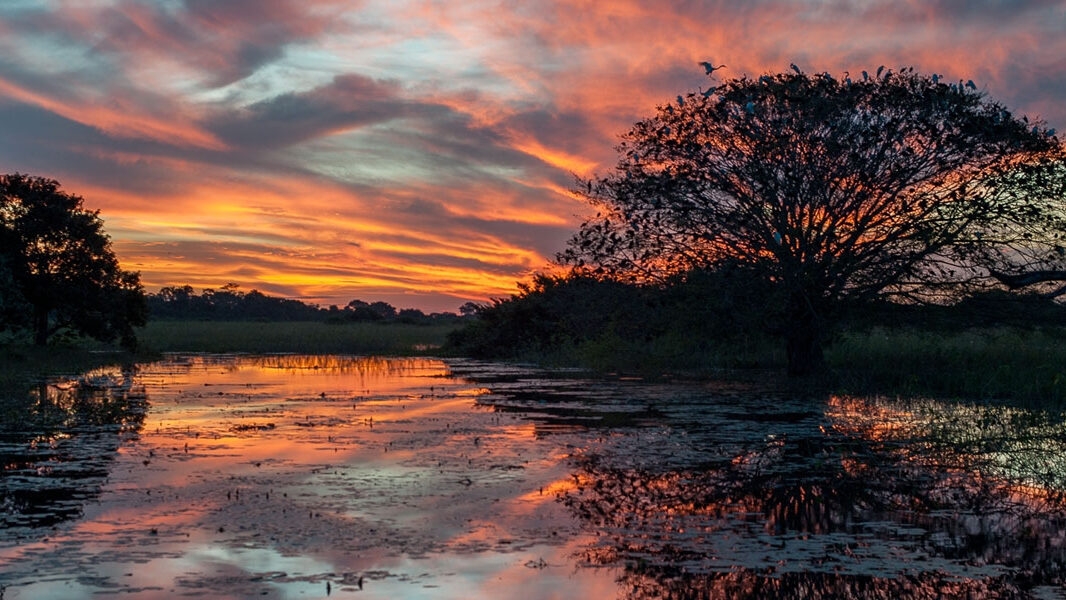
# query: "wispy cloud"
417,151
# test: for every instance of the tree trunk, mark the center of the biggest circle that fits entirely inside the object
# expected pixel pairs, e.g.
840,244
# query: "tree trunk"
803,341
40,326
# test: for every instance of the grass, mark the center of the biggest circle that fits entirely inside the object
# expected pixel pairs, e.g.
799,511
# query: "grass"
1000,363
1012,364
298,337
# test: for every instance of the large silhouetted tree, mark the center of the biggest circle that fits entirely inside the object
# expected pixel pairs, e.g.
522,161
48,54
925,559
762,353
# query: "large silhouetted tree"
61,266
833,190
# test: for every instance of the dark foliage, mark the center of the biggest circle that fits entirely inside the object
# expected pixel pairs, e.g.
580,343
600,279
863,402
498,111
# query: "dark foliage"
697,315
834,191
579,310
58,273
182,303
551,312
981,309
227,304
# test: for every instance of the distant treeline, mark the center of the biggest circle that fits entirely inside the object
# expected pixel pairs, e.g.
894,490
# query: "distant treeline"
231,304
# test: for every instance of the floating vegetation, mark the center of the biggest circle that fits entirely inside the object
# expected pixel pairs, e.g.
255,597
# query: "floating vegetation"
304,475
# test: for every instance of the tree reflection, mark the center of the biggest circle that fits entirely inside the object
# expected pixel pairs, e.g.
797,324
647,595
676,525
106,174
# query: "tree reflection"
875,499
57,441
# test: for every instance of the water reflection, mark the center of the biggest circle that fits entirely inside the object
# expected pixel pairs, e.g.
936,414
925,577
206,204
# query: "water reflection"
277,475
57,440
871,499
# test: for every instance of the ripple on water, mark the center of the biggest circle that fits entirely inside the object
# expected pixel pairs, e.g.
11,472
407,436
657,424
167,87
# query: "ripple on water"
237,476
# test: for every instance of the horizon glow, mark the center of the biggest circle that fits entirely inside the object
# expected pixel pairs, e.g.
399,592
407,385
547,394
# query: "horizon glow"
418,152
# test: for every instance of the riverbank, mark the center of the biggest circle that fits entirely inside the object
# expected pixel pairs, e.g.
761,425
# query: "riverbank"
1003,363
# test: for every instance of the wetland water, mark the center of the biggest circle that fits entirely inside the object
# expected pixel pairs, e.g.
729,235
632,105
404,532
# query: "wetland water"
308,476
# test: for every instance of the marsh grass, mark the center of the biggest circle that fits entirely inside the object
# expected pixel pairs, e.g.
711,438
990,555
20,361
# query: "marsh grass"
1027,366
1013,364
305,337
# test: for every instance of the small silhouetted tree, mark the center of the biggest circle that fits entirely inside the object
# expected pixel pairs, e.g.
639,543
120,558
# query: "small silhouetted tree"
832,190
61,265
471,309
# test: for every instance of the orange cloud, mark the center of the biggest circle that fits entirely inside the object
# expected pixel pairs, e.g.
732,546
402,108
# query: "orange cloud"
419,153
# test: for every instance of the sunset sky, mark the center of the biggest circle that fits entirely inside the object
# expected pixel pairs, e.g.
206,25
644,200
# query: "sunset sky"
412,151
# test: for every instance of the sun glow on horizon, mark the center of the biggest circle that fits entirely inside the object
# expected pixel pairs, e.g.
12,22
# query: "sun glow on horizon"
416,152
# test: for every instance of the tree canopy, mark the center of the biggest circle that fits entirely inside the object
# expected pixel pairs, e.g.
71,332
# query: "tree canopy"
833,190
59,273
229,303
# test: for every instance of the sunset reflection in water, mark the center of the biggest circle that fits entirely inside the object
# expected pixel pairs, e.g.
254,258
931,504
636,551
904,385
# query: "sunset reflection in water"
237,476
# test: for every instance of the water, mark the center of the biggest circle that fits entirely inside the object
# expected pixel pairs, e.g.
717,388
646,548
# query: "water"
302,476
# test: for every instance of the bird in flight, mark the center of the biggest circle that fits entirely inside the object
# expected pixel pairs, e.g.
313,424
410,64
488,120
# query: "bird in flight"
710,68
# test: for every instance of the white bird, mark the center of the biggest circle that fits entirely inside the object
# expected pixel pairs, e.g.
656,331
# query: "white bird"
795,68
970,84
710,68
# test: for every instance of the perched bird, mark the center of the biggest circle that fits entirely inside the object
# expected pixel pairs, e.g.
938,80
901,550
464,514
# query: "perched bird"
865,76
766,79
1051,132
936,79
708,93
680,100
879,69
795,68
710,68
750,107
970,84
